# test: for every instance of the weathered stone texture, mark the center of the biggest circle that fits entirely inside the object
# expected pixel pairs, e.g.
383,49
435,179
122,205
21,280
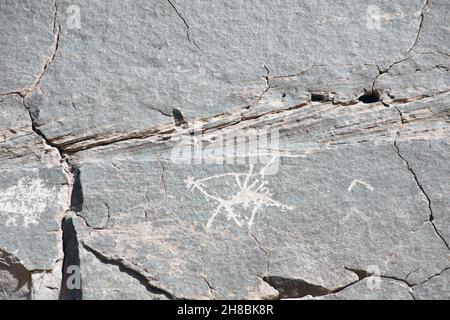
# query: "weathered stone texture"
96,175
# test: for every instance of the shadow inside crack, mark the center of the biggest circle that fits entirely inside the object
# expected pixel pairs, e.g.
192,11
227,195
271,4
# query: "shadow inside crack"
71,274
295,288
77,192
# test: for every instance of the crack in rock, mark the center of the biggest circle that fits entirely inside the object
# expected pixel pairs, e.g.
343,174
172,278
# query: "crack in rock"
295,288
166,131
287,287
71,177
431,277
56,33
71,258
265,252
402,118
381,72
185,24
212,290
422,15
264,92
131,272
363,274
420,186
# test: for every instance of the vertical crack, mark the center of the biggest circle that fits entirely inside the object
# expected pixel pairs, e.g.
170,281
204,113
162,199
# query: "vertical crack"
266,253
69,238
212,290
70,248
266,77
381,72
56,32
71,263
430,217
108,214
266,89
422,15
36,130
161,177
186,25
402,118
76,201
145,207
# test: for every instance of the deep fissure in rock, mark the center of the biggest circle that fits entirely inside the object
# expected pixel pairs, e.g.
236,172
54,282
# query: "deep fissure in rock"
76,201
131,272
295,288
71,258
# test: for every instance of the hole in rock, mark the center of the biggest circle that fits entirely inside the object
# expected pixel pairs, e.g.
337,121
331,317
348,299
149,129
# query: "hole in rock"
317,97
370,97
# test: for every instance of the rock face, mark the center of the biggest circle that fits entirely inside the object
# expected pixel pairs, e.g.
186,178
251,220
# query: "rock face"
308,157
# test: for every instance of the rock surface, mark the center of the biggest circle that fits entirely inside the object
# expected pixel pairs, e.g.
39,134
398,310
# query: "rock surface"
336,184
371,289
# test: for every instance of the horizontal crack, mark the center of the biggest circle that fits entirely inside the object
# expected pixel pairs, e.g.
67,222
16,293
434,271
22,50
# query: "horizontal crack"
362,274
160,111
299,288
163,132
295,288
166,132
431,277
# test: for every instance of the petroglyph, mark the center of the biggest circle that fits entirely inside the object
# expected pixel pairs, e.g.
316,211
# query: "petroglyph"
356,181
25,202
253,194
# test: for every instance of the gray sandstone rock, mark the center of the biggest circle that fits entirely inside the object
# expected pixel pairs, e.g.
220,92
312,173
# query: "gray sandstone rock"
434,288
372,289
97,177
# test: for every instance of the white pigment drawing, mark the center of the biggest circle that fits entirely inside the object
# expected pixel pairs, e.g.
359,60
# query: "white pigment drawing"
252,193
25,202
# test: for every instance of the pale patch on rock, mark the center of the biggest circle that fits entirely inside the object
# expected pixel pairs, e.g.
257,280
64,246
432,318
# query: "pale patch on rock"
25,202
